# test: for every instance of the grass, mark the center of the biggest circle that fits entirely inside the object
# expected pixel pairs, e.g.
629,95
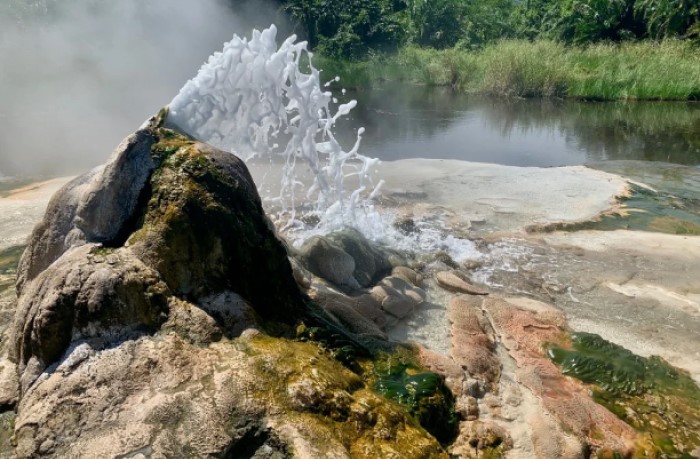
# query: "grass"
668,70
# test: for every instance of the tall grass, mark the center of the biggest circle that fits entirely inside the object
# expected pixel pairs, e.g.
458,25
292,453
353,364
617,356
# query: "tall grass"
668,70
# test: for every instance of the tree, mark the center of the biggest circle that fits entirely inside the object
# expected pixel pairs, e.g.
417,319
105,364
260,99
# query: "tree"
340,28
670,18
436,23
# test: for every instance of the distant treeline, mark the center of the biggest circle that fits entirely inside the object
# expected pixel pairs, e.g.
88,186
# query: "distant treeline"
358,28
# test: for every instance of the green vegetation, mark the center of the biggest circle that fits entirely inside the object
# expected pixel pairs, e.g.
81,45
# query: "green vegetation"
647,393
668,70
349,29
586,49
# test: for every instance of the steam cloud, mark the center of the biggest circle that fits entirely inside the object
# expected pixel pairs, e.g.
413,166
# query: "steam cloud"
76,76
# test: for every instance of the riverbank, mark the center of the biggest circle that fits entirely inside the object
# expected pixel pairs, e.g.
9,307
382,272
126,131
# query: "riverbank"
669,70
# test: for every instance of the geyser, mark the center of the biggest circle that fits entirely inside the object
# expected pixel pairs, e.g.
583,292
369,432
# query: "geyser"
255,99
253,94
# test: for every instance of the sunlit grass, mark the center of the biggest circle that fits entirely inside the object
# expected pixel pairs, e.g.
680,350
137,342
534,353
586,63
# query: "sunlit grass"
668,70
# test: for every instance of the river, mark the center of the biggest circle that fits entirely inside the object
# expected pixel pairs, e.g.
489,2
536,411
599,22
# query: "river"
403,121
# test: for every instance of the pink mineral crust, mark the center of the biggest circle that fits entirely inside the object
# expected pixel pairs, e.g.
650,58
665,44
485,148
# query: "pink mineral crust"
524,334
472,348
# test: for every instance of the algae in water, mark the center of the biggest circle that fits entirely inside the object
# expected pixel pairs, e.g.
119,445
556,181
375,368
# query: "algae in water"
422,393
646,210
647,393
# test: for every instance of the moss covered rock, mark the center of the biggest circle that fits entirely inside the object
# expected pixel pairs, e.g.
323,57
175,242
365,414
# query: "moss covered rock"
204,230
145,297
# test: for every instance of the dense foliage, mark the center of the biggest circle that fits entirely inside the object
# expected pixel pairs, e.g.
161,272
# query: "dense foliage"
361,27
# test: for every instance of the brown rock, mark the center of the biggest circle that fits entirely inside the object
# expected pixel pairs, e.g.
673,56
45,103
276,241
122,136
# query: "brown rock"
409,275
364,305
455,281
523,330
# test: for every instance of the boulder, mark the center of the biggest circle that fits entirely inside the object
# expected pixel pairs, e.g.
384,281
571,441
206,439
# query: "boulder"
344,309
153,320
370,262
329,261
112,250
346,259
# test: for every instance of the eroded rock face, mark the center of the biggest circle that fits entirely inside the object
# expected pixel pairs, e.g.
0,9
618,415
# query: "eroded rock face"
84,294
94,207
137,329
116,244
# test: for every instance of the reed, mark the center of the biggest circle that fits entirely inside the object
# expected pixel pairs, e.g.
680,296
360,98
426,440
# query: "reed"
668,70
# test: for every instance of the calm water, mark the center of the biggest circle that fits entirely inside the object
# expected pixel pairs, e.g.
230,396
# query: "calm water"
415,122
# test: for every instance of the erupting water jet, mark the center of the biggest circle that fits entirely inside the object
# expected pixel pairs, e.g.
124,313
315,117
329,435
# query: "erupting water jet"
252,94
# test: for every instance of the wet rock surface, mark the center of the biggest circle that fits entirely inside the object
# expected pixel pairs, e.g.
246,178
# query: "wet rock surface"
455,281
172,330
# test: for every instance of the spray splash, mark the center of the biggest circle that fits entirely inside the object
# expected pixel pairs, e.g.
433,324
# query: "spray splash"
252,94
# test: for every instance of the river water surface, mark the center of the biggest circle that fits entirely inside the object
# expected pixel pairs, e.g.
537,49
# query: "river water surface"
418,122
403,121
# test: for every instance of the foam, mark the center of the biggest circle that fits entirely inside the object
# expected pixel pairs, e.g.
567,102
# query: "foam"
250,96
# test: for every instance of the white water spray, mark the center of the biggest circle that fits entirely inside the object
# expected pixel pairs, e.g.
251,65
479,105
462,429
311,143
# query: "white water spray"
252,94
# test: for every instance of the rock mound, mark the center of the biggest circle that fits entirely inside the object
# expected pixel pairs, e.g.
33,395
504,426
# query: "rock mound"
157,317
167,216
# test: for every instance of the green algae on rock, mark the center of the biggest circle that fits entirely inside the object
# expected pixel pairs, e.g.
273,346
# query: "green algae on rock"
198,232
647,393
302,381
422,393
643,209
